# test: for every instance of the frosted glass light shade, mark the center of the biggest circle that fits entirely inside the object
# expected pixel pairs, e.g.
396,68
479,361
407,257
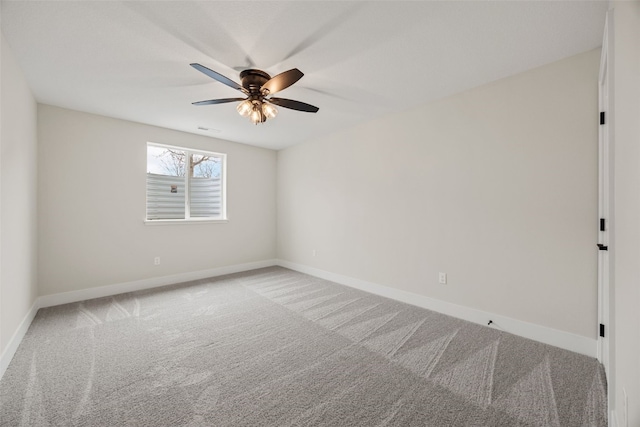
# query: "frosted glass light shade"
256,116
244,108
269,110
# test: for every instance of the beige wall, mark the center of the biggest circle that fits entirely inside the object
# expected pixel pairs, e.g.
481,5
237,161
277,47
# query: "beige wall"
626,222
91,194
18,171
496,186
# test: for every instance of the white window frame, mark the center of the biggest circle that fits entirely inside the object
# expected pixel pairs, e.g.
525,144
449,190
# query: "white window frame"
187,209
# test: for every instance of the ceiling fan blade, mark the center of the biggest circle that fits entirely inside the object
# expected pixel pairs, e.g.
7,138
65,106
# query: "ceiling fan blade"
294,105
219,77
218,101
282,80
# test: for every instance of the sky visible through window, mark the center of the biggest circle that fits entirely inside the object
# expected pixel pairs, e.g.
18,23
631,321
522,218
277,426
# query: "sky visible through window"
154,165
165,161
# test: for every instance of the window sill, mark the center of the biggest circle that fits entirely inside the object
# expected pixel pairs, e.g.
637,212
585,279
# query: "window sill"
184,221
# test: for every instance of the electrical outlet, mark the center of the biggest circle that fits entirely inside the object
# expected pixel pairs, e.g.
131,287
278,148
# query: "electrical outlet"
156,261
442,278
313,252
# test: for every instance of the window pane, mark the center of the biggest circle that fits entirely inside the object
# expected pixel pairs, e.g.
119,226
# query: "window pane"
206,166
165,183
206,186
165,161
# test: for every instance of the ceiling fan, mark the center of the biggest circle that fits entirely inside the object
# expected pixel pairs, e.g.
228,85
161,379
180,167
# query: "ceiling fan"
258,87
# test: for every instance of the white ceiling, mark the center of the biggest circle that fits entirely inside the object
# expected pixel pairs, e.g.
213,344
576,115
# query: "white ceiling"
361,59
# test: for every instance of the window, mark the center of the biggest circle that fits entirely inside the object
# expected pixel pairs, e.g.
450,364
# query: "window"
185,184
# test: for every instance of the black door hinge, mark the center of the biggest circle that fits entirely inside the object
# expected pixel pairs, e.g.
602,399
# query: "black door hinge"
601,330
603,247
602,228
602,117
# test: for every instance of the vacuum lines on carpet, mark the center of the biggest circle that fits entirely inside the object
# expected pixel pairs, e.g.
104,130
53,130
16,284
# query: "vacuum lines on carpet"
273,347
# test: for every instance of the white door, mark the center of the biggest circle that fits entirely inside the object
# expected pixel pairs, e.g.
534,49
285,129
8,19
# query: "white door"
605,210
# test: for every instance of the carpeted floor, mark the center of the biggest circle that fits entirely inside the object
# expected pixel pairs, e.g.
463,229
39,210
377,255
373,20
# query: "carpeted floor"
273,347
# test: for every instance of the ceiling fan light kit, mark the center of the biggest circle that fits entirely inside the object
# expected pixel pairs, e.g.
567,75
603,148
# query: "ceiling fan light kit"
258,86
257,110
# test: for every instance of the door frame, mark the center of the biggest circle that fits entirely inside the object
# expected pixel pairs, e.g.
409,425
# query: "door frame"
605,205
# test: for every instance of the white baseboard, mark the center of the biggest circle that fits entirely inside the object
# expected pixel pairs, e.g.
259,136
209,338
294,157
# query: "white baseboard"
17,337
104,291
554,337
153,282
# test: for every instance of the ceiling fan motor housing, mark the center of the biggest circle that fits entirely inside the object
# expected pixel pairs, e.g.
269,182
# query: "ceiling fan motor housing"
252,80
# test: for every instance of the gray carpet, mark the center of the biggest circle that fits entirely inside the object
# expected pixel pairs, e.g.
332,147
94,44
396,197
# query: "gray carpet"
273,347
